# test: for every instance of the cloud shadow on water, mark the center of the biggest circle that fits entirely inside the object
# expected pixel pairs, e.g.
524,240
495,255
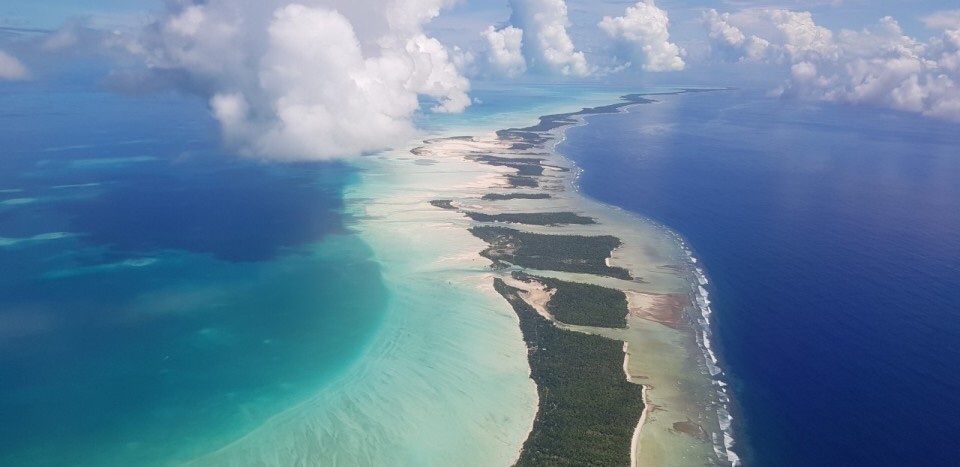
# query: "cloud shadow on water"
242,213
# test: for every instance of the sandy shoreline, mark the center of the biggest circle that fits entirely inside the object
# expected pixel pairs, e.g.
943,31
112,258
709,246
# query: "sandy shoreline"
660,300
686,312
635,441
448,328
663,321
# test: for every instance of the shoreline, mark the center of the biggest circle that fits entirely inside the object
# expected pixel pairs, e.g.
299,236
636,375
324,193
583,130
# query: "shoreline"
444,310
635,442
512,151
693,270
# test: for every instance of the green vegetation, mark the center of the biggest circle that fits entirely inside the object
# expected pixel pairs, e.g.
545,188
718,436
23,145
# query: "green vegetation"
538,218
523,137
588,410
518,181
583,304
533,135
570,253
499,197
527,166
443,204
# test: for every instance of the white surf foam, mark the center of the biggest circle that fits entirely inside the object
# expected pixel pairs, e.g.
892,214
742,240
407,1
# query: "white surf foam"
723,447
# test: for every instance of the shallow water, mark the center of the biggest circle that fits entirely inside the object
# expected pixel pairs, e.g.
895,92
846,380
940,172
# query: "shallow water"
158,297
174,303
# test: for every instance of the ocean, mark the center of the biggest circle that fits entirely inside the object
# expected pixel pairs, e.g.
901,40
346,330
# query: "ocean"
166,302
163,300
160,297
831,238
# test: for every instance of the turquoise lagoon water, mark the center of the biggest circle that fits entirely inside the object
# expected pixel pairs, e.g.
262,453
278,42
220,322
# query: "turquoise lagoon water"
162,299
159,297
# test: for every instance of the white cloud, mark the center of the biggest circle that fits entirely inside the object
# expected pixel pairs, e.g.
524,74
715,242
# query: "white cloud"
949,19
504,51
878,65
11,68
646,28
731,42
768,35
463,60
546,43
303,81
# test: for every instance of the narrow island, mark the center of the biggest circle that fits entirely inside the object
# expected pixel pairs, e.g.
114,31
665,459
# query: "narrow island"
443,204
521,181
591,411
569,253
536,218
588,410
525,166
509,196
582,304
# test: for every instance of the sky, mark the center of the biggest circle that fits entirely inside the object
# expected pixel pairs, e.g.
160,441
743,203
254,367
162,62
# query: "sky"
288,79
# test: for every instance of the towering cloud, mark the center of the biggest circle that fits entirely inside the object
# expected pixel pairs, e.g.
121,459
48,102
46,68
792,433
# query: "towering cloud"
878,65
645,29
769,35
504,51
730,41
11,68
546,44
311,80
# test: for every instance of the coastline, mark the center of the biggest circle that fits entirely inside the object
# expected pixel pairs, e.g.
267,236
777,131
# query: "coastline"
635,440
448,328
693,273
709,419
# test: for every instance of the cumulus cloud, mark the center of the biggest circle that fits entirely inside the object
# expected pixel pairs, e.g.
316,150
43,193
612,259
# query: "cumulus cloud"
504,51
730,41
949,19
316,79
546,44
769,35
11,68
645,28
878,65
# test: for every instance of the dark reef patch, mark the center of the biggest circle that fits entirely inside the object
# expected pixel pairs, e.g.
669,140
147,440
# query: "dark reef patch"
241,213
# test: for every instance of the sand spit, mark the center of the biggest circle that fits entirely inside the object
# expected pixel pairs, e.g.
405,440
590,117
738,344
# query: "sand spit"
536,294
680,425
447,381
666,309
635,441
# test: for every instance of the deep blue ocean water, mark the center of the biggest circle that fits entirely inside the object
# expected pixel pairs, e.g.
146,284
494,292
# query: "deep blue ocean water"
160,297
831,236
